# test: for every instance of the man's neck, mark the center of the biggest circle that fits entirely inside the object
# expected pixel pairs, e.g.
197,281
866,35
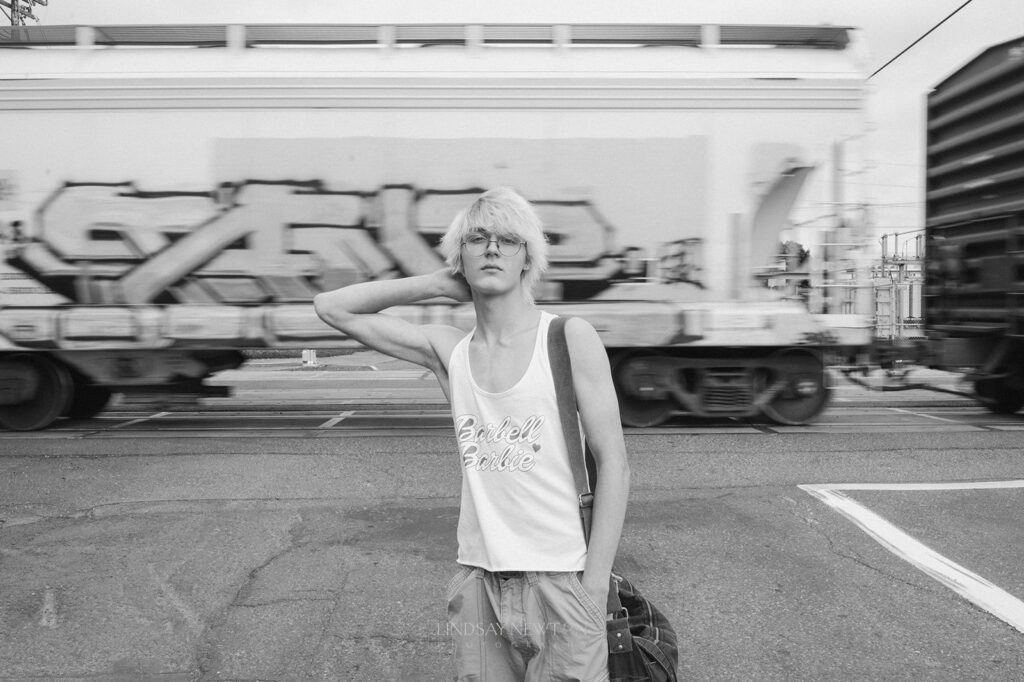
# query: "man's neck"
501,318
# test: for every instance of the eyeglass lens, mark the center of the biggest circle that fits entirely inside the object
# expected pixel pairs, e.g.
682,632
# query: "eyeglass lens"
507,246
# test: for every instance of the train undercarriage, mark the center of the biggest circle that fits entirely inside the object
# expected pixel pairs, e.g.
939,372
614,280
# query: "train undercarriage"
38,388
786,385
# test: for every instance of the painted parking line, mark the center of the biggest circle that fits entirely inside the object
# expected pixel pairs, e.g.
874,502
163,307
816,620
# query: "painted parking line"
964,582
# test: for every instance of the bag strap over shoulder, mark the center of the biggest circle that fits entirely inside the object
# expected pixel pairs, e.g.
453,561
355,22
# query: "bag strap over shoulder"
584,468
561,372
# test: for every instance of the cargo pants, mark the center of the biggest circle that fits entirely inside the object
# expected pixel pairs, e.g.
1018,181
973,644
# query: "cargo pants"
518,626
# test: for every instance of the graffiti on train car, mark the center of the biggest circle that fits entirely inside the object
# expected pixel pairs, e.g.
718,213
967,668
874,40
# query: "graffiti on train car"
256,242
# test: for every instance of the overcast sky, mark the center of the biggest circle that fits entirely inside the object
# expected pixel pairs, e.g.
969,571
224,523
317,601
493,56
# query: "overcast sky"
896,99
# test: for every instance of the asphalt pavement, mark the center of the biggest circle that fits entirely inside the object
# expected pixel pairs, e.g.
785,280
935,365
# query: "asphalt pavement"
229,556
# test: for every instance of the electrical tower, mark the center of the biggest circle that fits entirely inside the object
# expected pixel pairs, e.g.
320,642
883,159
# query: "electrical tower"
20,10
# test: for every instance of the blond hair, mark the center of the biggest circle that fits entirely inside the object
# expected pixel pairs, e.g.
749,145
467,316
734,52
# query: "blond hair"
502,212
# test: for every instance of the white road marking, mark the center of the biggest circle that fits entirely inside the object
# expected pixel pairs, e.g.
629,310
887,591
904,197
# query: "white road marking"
964,582
878,427
963,485
331,422
140,420
928,416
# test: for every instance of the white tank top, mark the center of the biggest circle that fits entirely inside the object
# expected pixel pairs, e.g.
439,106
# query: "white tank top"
519,504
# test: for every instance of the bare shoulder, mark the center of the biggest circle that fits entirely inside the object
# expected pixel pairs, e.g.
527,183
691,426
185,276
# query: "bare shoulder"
591,374
582,339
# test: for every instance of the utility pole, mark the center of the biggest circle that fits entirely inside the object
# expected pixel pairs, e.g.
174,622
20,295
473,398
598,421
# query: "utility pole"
20,10
831,255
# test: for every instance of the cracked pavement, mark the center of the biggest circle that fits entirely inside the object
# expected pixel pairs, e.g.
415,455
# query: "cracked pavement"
238,590
303,559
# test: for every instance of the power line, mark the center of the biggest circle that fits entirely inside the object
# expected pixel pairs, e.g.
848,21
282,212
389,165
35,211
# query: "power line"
925,35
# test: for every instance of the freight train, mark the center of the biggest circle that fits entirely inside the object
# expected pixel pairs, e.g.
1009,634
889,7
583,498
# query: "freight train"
974,230
973,297
175,195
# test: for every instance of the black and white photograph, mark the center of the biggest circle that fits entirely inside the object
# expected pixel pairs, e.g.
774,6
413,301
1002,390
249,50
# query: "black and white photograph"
571,340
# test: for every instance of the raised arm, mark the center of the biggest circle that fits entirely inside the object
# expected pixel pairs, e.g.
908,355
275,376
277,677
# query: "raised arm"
355,310
599,413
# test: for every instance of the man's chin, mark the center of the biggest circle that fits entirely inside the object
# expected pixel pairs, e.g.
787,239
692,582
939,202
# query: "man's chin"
492,289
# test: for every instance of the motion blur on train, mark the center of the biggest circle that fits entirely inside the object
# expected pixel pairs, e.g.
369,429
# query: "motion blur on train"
176,195
974,229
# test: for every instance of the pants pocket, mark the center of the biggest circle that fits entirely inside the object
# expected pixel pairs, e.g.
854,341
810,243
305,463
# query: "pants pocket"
575,631
584,597
457,581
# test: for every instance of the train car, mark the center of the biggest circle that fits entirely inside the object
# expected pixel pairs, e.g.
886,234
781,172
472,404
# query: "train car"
974,232
174,195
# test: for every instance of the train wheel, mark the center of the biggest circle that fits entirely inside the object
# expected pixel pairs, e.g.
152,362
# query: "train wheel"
52,394
637,412
999,397
805,392
88,401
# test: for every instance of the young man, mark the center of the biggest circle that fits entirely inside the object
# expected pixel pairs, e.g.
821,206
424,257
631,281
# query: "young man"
528,601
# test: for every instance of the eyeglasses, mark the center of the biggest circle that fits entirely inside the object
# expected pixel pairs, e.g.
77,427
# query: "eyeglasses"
476,244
